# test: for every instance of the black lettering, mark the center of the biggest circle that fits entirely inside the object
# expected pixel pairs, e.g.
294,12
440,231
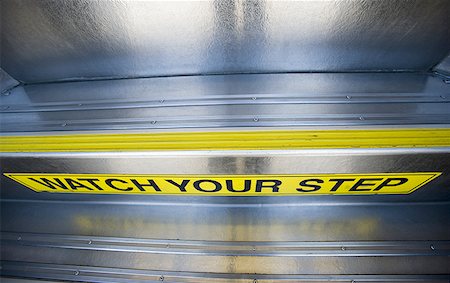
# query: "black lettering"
75,185
387,183
140,186
109,182
304,183
275,186
217,185
361,183
92,182
181,186
49,184
247,185
338,184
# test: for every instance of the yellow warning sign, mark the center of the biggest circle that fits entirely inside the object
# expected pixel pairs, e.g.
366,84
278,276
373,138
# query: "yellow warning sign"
227,185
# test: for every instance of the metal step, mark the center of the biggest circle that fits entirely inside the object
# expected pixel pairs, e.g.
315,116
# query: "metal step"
237,126
314,101
361,242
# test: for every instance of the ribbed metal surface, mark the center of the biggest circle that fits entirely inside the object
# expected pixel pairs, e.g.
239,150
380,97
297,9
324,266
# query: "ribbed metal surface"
93,274
78,39
313,100
270,243
147,67
129,238
230,248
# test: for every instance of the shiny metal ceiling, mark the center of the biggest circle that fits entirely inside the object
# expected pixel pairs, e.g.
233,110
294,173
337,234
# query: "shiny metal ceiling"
51,40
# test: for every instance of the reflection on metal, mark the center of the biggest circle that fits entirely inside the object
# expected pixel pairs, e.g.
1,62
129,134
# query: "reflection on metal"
71,236
444,68
6,83
101,274
77,39
231,248
355,75
259,162
226,101
226,241
21,280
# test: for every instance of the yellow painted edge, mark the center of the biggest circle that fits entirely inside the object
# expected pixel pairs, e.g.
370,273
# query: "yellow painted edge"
229,140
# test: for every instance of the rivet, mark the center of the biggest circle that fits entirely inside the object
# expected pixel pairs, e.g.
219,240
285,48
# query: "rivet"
77,272
19,238
90,242
348,97
343,248
153,122
80,104
167,246
161,278
253,249
255,119
361,118
443,97
253,98
353,281
447,81
161,101
432,247
255,281
64,124
7,93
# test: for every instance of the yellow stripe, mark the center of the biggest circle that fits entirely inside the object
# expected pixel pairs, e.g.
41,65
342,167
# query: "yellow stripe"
226,185
233,140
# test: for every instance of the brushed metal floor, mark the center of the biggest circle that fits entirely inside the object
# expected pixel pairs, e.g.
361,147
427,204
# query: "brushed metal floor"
189,243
